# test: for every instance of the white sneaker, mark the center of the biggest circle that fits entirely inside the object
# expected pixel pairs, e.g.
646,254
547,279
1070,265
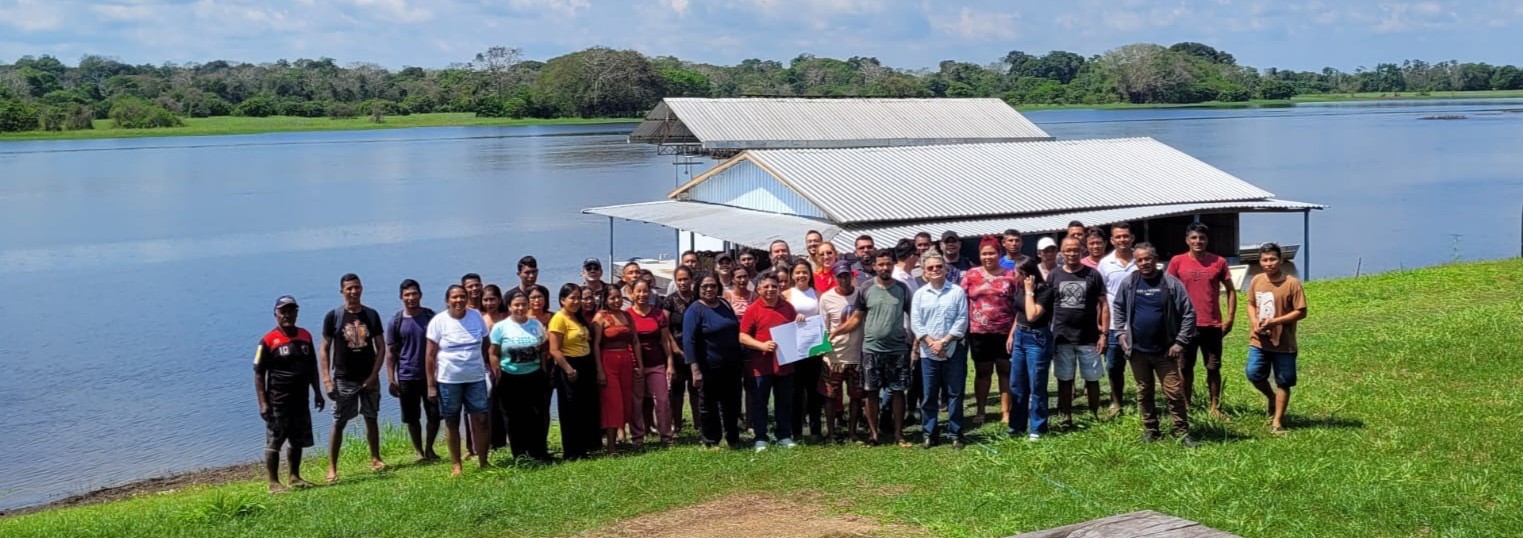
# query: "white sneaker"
1034,437
787,442
761,446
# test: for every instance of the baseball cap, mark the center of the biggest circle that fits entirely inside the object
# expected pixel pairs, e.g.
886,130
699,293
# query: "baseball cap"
285,300
592,263
1046,243
950,235
840,267
723,256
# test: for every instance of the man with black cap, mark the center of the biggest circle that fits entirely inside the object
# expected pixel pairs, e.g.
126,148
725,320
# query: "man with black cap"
951,253
592,279
285,367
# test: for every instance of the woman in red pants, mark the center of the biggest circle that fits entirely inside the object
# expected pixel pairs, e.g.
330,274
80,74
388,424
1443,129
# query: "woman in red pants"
617,348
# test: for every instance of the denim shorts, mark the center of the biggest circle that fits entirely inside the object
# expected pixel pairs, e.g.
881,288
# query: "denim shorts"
1261,362
472,395
1067,357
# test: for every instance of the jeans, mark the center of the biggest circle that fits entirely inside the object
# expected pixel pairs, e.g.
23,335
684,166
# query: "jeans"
1115,357
951,376
1030,361
720,412
780,388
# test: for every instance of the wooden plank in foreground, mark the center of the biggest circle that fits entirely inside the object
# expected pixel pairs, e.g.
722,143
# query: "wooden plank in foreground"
1144,524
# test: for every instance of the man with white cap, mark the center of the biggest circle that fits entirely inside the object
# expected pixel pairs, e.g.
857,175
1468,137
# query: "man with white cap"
1047,255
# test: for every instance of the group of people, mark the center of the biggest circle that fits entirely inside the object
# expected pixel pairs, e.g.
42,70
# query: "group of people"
902,324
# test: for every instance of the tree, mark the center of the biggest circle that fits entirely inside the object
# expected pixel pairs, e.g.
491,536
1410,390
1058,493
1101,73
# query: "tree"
497,64
1058,65
600,82
136,113
1507,77
16,116
1203,51
685,83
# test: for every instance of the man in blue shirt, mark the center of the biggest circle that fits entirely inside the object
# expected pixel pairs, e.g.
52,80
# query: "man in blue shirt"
1156,322
406,343
939,321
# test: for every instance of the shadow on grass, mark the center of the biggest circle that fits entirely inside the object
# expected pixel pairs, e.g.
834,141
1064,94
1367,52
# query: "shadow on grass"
1323,422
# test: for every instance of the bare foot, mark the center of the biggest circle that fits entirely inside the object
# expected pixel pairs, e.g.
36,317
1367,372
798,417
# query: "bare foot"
1277,429
276,488
1217,414
454,471
332,476
1113,412
298,483
906,444
377,465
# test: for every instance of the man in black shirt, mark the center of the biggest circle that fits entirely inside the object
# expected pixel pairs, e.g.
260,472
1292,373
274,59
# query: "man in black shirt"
1157,322
353,343
284,368
1078,320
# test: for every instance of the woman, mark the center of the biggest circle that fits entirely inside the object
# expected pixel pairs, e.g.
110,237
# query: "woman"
807,400
617,349
1030,345
711,346
991,294
740,295
493,310
457,372
518,351
823,280
767,376
651,331
591,304
577,376
679,376
539,305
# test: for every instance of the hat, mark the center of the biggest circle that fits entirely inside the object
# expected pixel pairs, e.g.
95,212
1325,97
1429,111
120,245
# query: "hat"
949,235
285,300
1046,243
722,257
840,267
592,263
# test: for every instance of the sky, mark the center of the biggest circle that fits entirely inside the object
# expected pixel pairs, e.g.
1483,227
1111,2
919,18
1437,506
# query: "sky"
1289,34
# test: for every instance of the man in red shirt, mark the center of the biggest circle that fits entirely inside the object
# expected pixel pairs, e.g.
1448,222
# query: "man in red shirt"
1205,276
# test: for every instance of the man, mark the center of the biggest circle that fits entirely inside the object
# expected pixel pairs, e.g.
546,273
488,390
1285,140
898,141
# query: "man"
1157,322
747,261
1075,230
473,288
862,253
1278,305
881,309
1013,257
688,259
922,243
1078,318
951,251
350,363
1094,246
779,252
1205,276
843,363
1047,256
592,278
1114,268
408,382
939,317
284,369
812,241
908,256
825,277
528,277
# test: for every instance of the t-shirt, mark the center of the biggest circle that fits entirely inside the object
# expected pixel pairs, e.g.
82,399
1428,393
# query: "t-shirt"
711,336
1090,262
847,346
1149,317
459,340
648,328
758,323
1272,300
1203,280
1113,272
408,340
519,344
1076,305
676,309
288,363
1043,297
353,334
1010,265
910,280
739,304
956,270
575,340
989,300
884,313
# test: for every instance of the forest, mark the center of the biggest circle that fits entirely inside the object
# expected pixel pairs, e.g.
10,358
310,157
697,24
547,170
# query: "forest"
44,93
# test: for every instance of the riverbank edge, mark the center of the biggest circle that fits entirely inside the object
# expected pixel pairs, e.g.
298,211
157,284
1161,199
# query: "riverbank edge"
229,125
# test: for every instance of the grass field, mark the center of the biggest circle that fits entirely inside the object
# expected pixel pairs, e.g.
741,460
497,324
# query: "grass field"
1299,99
1406,423
228,125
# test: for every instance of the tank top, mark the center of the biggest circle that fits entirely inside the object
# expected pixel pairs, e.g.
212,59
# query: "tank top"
805,302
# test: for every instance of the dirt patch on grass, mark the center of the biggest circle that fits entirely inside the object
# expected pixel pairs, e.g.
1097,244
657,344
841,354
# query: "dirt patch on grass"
215,476
747,515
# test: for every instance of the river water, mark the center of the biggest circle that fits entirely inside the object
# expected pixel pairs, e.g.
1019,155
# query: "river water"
139,273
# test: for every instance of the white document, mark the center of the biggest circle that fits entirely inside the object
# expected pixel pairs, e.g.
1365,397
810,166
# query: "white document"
794,339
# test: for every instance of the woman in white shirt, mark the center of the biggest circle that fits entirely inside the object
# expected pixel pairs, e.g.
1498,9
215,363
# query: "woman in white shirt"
807,400
457,372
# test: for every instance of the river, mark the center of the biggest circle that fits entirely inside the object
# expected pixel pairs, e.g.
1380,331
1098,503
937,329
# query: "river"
139,273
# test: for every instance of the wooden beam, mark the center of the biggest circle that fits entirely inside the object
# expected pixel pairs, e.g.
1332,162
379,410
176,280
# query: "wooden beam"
1144,524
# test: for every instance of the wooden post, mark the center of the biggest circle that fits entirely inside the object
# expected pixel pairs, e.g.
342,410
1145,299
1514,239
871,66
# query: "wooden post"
610,248
1306,245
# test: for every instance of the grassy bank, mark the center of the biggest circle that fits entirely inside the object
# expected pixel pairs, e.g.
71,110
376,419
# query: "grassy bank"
1405,424
1299,99
230,125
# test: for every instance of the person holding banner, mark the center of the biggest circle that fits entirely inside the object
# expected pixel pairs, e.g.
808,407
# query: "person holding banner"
939,321
807,400
768,376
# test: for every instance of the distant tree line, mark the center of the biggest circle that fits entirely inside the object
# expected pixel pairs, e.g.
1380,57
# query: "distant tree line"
41,93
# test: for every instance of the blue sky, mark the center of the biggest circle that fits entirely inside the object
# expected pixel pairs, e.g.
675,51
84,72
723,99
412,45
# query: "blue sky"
1297,34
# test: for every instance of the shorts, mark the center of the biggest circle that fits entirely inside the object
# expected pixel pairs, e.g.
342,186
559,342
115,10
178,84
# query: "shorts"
415,402
1065,357
473,396
288,424
988,347
1208,342
885,370
1261,362
349,401
832,382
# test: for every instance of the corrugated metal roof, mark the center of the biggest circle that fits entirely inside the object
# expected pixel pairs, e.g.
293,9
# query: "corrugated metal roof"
755,229
888,234
977,180
751,123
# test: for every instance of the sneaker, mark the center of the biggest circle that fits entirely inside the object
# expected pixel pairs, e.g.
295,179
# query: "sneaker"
761,446
1033,437
1187,441
787,443
957,443
1149,436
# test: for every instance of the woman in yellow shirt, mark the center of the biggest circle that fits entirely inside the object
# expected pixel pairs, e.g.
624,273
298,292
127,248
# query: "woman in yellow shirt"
577,376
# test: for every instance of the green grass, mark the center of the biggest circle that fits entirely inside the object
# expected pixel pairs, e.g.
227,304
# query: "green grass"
1406,423
1299,99
227,125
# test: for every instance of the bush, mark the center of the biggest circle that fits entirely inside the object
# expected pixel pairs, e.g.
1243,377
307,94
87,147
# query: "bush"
259,106
342,111
16,116
389,108
66,117
511,107
302,109
135,113
417,105
1276,89
208,106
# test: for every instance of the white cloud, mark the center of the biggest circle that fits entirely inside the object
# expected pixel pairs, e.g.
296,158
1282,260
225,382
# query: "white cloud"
394,10
976,25
124,12
559,7
678,6
31,15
